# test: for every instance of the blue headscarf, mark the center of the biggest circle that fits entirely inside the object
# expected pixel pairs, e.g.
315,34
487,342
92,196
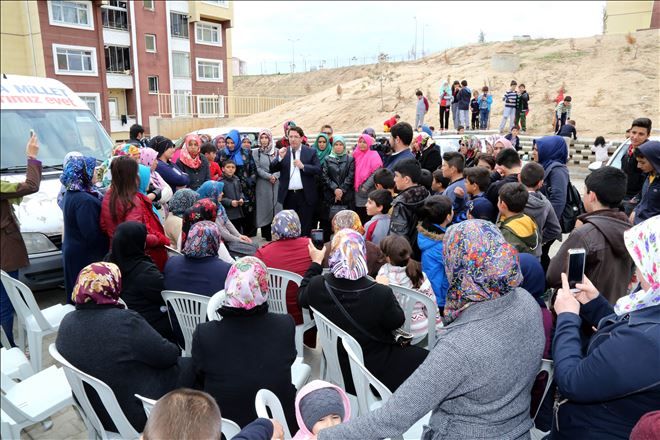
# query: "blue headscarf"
144,173
237,153
78,174
182,200
211,190
552,149
533,277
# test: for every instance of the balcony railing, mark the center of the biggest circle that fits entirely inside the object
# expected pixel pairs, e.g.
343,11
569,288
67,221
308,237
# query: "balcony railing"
114,18
215,106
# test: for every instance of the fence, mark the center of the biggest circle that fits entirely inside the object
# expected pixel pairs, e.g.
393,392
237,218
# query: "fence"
171,105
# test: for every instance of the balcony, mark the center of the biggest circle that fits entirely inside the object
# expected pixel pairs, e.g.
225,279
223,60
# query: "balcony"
114,18
113,37
117,126
119,80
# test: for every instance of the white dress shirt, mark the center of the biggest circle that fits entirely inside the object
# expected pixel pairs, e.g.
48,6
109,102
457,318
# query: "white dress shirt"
295,181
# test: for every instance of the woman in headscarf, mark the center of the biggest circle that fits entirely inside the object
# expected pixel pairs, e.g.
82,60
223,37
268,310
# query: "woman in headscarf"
267,184
477,379
180,201
605,391
287,251
120,150
149,158
67,158
83,241
427,153
194,164
284,141
372,305
116,345
366,162
338,183
257,348
203,209
323,147
198,270
500,144
168,171
220,142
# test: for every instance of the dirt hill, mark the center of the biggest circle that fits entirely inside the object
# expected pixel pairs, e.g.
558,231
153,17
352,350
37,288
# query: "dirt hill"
612,79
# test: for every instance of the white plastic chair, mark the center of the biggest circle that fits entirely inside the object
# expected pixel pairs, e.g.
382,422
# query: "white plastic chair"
278,281
215,302
14,364
408,298
77,380
364,380
266,400
35,322
548,366
190,310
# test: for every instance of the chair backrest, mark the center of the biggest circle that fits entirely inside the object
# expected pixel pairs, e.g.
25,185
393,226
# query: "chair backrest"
147,404
172,252
190,310
215,302
77,379
22,299
408,298
549,367
4,339
364,380
265,400
328,333
278,281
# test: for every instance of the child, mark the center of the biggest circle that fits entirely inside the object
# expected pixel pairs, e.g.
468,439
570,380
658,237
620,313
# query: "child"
518,228
538,206
513,137
402,270
485,101
384,179
522,108
209,150
600,148
568,130
426,180
510,99
233,199
387,125
320,405
486,161
453,164
648,160
378,207
436,214
461,130
474,109
562,114
477,181
440,183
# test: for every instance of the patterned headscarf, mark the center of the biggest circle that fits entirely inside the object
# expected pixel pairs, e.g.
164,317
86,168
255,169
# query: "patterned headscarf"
203,209
78,174
182,200
480,266
98,283
348,255
130,150
203,240
246,286
336,139
322,154
147,157
347,219
185,156
237,153
287,125
643,244
286,224
270,148
211,190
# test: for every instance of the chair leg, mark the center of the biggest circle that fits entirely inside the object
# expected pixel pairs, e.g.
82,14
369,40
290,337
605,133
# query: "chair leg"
35,341
299,341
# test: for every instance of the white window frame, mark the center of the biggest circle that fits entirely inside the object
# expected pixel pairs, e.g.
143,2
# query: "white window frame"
188,25
90,16
146,48
209,60
153,5
221,3
219,106
116,101
174,74
58,71
157,84
97,99
184,96
218,28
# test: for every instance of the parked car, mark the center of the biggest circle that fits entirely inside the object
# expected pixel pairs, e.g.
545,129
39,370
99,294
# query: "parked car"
615,159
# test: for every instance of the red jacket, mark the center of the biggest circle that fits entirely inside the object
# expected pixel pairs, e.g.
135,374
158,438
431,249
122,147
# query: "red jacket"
141,212
390,122
216,171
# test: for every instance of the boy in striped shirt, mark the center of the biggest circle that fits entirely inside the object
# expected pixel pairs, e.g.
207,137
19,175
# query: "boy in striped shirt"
562,113
510,100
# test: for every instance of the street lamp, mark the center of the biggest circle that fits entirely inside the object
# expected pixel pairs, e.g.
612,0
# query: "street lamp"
293,53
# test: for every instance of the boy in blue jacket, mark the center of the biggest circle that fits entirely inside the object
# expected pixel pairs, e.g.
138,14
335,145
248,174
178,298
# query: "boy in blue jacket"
477,181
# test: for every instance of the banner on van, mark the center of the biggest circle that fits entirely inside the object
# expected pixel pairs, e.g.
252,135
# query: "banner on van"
24,92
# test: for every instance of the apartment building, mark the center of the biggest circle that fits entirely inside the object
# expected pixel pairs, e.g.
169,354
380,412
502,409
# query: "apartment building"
119,55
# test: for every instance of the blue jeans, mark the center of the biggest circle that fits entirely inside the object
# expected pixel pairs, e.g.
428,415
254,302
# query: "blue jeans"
483,118
7,311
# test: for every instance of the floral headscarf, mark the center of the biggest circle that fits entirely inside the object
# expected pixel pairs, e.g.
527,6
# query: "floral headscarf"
336,139
203,209
147,157
480,266
366,162
130,150
348,255
347,219
182,200
203,240
246,286
186,158
98,283
286,224
322,154
78,174
211,190
270,148
287,125
643,244
237,153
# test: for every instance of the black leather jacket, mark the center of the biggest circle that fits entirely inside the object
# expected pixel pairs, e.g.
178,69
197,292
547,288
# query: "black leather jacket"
338,172
405,214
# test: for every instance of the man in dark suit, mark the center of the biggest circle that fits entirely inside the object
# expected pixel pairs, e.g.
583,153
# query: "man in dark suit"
298,165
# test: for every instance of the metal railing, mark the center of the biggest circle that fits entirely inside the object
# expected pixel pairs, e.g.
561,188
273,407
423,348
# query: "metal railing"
114,18
215,106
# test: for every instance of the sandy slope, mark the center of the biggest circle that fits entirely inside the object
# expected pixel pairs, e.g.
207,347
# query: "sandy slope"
609,87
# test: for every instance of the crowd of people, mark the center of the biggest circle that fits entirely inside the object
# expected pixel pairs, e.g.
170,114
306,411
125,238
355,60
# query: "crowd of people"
470,229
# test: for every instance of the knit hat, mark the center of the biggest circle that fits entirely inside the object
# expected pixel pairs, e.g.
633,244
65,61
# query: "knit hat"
647,428
320,403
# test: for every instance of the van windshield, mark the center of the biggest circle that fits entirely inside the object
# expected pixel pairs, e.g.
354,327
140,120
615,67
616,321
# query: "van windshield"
59,132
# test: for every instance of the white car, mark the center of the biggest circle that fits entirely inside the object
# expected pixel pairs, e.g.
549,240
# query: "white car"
615,159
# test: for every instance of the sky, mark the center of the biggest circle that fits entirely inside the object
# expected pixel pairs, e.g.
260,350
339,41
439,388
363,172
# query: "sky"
342,32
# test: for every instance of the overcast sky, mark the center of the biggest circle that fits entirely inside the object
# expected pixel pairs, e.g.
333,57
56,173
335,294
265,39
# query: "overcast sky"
340,30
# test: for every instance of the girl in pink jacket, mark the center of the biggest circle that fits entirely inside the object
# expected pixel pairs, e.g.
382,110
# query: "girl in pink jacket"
320,405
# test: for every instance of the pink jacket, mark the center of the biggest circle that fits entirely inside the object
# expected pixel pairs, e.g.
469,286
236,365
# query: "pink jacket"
304,433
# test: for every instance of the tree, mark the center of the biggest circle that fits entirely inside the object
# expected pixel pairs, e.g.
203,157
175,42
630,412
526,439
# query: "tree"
382,73
482,37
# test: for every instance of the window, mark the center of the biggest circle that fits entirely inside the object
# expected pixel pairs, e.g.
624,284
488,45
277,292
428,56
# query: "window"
149,4
113,107
150,42
209,70
117,59
210,106
93,101
182,102
208,33
181,64
74,60
71,14
115,15
222,3
153,84
179,24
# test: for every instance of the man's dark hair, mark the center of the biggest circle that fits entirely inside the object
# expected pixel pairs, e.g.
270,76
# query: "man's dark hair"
426,179
489,159
515,196
454,159
464,83
480,176
384,178
403,131
508,158
442,180
409,168
435,209
644,123
609,184
531,174
228,162
568,99
135,130
297,130
208,147
184,413
419,93
382,197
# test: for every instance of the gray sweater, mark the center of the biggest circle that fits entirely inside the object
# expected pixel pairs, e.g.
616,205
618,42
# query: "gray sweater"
477,380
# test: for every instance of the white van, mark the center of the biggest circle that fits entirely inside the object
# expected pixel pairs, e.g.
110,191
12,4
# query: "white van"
63,123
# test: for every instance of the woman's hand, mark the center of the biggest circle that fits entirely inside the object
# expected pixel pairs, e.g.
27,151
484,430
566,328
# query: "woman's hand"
245,239
565,301
316,255
32,148
587,291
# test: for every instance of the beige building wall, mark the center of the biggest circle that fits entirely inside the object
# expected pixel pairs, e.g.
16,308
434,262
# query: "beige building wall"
21,49
628,16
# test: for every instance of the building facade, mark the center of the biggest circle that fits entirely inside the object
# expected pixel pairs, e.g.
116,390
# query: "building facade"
119,55
623,17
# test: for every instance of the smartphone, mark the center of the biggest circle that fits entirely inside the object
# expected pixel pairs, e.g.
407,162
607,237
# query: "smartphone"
576,259
317,238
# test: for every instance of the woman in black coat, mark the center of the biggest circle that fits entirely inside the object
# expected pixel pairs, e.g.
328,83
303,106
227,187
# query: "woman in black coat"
372,305
194,164
338,176
249,349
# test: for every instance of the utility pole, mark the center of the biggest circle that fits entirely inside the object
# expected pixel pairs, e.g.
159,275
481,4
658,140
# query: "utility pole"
415,46
293,53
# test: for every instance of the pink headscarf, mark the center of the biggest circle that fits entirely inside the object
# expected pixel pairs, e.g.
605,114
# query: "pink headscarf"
185,157
366,162
147,158
507,143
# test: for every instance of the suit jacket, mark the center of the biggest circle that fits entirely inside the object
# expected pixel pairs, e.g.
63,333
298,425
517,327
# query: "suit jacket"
312,168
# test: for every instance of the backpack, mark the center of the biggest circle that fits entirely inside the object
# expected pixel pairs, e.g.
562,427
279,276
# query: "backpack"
572,210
